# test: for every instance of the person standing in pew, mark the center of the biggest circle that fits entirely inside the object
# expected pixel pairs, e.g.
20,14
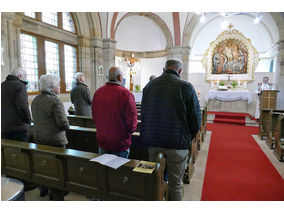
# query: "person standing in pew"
15,113
81,96
170,119
50,121
115,115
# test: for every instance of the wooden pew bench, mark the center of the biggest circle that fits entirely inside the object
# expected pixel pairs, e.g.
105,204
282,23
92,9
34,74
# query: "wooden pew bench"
263,122
270,128
279,138
87,121
71,170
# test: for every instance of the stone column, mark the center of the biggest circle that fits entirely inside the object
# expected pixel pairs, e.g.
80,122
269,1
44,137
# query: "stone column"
279,73
181,53
108,57
10,42
97,61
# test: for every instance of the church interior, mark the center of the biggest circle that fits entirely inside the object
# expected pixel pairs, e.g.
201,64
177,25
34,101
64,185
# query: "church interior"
238,153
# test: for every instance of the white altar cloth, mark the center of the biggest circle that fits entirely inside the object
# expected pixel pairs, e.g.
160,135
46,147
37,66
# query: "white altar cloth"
229,95
137,96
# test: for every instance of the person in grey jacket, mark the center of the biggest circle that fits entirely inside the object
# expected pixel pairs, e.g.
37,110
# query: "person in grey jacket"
15,113
50,121
81,96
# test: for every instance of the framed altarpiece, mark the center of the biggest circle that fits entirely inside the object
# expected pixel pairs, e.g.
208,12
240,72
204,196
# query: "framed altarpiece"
231,54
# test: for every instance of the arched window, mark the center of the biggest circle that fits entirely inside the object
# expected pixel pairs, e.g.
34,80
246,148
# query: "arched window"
43,55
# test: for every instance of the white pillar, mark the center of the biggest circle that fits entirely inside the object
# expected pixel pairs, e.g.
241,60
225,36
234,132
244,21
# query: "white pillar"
181,53
279,74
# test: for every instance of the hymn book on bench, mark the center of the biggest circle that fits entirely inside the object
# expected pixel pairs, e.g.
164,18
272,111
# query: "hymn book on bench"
110,160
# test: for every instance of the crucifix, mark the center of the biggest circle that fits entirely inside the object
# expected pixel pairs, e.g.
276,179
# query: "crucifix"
131,62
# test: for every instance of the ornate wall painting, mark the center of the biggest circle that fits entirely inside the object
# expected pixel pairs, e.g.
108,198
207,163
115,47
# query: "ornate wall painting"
230,54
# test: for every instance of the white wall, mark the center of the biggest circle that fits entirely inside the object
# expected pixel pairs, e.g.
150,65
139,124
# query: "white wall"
146,68
139,33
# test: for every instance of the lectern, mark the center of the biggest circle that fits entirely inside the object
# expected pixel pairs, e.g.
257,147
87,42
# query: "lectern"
267,101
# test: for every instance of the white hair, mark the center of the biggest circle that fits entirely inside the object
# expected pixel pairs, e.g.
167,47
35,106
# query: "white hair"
78,76
47,82
113,75
173,63
18,71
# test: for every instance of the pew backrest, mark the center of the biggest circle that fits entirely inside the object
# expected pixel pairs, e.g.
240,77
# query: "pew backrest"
72,170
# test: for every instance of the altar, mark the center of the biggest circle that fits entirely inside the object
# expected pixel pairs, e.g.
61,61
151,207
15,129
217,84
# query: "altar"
228,101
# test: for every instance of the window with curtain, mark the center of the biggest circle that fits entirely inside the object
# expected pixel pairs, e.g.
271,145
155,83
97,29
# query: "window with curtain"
29,59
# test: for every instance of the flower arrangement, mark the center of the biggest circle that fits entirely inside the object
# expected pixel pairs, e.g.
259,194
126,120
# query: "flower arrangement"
222,83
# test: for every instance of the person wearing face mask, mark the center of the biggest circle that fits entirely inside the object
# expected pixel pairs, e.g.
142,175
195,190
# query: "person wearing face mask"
50,121
115,115
15,114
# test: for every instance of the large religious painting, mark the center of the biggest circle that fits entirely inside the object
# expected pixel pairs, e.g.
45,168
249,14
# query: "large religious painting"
230,54
230,57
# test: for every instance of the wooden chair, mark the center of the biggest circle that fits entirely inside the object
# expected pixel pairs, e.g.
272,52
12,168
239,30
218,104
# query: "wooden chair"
270,128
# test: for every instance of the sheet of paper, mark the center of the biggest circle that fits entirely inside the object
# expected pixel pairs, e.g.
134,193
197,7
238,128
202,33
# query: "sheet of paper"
110,160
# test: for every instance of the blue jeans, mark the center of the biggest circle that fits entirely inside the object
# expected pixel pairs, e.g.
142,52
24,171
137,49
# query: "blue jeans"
123,154
18,136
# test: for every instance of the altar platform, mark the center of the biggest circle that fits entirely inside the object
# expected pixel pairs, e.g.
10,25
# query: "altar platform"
228,101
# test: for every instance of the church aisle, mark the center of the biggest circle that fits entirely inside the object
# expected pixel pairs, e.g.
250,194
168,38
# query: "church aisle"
237,169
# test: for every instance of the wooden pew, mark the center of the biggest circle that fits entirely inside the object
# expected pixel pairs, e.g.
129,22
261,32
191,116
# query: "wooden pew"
87,121
270,128
279,138
84,121
70,170
263,122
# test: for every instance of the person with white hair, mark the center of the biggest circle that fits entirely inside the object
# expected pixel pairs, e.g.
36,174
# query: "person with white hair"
50,121
170,119
115,115
264,85
15,113
81,96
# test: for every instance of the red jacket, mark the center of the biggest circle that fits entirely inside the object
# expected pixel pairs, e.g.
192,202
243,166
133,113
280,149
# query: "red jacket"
115,115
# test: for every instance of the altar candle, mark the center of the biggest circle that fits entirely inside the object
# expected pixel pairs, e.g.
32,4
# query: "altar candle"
217,83
245,84
212,84
239,83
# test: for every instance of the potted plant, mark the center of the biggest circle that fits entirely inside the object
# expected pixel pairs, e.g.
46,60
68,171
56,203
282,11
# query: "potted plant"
234,84
137,88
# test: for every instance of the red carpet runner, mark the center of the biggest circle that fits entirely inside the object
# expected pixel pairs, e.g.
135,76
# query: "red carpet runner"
230,118
237,169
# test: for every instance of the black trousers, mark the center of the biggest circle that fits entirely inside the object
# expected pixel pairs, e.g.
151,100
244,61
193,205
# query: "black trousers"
18,136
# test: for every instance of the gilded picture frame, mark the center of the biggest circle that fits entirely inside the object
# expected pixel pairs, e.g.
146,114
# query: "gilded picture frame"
231,54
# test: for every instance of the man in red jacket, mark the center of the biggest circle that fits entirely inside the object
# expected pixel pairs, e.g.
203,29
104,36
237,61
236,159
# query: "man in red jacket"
115,115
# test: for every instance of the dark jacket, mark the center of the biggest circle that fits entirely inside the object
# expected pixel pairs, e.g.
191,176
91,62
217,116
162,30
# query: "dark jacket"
15,114
115,115
81,98
170,112
50,121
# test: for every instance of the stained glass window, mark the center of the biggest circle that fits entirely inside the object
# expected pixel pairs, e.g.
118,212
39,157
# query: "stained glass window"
29,60
52,58
68,22
50,18
30,14
70,64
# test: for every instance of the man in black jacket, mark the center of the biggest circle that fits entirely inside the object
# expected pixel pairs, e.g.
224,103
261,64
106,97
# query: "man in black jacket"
15,113
170,119
81,96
